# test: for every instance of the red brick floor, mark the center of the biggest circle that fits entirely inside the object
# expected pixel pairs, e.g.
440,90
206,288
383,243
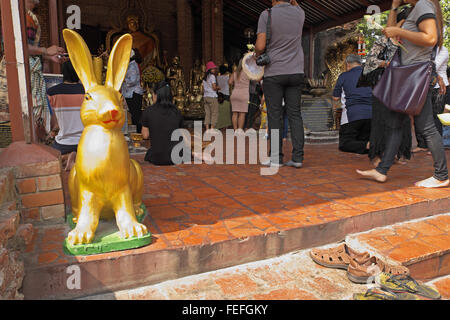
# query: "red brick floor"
233,207
422,245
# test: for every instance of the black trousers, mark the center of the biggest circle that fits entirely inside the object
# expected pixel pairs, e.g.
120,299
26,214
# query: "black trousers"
290,88
426,126
135,107
438,108
354,136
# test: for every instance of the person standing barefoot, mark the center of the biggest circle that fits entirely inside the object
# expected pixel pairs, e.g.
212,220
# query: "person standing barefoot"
421,32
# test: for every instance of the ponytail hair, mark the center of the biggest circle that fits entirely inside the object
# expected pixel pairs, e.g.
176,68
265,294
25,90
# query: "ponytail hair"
440,22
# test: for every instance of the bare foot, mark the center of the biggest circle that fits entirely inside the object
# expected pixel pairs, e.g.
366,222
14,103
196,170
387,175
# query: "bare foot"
417,150
376,162
432,183
399,161
373,175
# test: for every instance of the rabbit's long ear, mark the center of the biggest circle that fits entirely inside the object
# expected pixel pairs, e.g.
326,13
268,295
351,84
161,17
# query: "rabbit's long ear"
81,58
119,61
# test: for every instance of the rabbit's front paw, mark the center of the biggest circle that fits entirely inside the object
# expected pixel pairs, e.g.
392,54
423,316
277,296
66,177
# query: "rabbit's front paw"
133,229
78,236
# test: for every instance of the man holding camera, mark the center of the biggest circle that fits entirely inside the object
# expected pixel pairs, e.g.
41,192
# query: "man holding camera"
279,48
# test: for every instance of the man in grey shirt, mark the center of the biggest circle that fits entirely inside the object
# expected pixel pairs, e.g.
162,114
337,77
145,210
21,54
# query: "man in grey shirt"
283,78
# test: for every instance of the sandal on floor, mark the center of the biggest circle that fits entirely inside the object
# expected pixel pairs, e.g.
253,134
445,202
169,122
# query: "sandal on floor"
337,258
363,273
406,284
381,294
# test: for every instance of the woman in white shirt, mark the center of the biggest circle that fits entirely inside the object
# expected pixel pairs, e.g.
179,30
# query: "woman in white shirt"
210,89
222,81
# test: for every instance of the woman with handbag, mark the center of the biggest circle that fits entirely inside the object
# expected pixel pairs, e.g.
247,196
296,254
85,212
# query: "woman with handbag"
421,32
382,52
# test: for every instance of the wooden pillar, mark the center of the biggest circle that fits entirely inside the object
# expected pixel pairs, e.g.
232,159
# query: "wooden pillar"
311,52
54,31
17,70
212,34
185,36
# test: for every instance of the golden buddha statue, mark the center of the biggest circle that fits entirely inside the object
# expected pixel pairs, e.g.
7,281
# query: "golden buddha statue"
175,75
195,107
180,99
146,45
144,40
197,75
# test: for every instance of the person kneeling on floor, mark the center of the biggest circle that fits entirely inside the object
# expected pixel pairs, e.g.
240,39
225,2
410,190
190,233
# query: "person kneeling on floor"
355,135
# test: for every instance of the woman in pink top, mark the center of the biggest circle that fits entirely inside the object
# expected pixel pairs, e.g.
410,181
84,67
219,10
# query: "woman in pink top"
239,97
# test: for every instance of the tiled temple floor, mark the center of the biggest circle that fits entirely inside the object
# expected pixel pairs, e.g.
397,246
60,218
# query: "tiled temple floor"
201,205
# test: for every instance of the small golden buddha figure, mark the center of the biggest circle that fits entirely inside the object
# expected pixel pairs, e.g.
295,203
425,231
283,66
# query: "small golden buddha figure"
175,75
195,103
197,75
180,100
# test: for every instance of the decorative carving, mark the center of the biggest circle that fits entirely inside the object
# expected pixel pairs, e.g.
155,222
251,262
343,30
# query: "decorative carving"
335,57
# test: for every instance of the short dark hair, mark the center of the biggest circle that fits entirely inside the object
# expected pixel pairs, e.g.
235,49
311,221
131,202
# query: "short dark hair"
69,73
163,93
223,69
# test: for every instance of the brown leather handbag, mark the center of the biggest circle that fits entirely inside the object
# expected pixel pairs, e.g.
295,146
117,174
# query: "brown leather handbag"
404,89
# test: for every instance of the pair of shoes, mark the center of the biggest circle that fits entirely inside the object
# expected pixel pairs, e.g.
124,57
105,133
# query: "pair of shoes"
269,163
365,273
293,164
339,257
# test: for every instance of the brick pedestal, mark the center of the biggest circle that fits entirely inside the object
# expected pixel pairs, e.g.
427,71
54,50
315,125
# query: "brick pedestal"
14,237
37,170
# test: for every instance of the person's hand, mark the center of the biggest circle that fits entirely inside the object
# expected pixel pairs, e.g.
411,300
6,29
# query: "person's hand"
442,89
55,50
58,59
392,32
294,3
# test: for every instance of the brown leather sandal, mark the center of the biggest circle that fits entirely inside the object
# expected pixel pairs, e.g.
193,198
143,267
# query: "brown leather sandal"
338,257
366,272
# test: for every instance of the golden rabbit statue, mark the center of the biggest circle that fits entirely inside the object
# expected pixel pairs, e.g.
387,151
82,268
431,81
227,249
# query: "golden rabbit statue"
104,181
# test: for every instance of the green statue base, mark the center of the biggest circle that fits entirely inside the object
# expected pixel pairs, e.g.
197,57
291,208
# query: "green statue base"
107,239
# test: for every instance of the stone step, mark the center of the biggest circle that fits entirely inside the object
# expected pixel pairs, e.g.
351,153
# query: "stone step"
290,277
206,218
422,245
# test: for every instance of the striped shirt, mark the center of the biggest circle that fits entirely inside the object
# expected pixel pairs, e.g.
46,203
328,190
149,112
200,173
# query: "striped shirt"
66,100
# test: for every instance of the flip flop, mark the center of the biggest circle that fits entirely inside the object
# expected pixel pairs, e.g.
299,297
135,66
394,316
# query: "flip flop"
406,284
381,294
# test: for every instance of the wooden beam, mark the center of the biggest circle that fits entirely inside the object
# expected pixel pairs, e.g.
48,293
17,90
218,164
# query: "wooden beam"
358,14
322,9
241,9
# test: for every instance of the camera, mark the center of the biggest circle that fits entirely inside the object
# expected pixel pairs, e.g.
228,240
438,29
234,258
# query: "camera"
263,60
